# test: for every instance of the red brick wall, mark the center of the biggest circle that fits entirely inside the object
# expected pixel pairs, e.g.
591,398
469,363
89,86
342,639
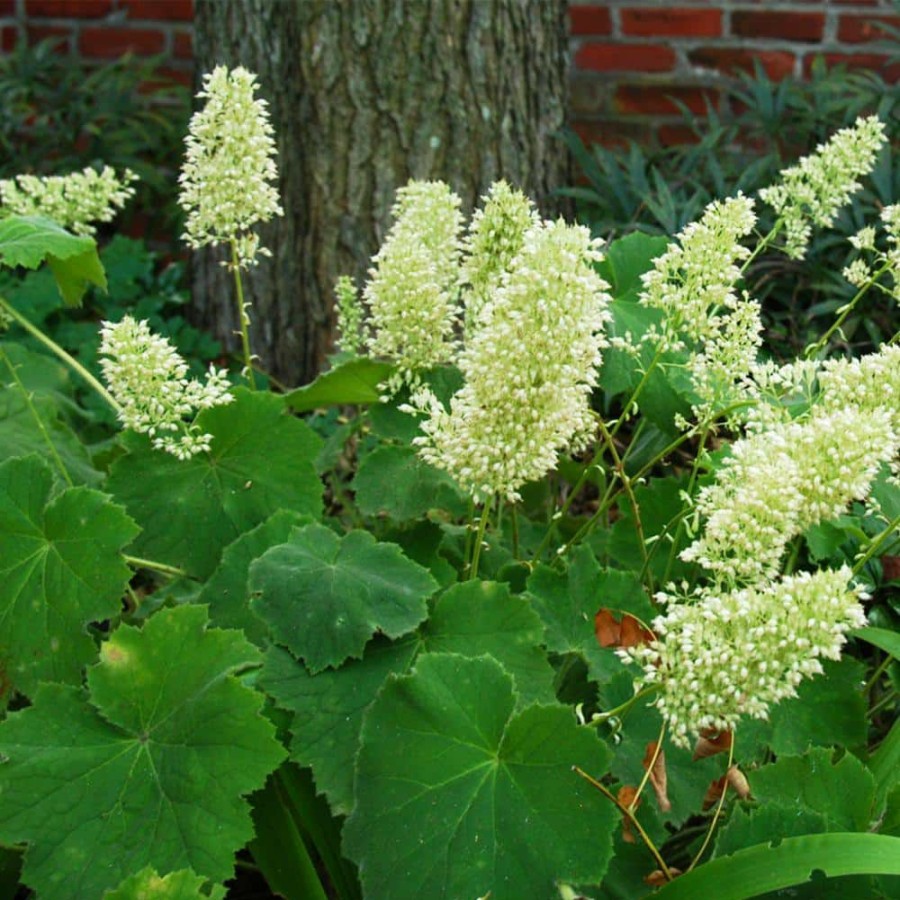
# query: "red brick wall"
630,58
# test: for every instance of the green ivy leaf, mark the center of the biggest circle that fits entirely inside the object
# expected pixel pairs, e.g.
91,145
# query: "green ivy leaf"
627,258
324,596
180,885
30,240
328,709
482,617
465,797
226,593
397,482
61,569
355,381
261,461
150,768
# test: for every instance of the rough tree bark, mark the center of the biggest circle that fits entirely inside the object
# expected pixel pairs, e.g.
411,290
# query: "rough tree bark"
365,94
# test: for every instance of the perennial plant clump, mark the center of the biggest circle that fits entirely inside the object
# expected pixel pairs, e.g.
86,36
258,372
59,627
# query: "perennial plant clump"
575,519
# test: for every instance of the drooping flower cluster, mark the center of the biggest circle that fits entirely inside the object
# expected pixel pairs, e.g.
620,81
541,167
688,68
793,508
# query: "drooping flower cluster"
74,201
720,655
694,285
862,271
229,169
148,379
413,290
528,366
811,192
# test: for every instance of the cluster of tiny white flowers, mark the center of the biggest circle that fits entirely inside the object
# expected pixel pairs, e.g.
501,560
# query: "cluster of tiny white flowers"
719,656
811,192
779,388
695,278
148,379
229,169
862,272
780,481
349,315
73,201
413,289
495,236
529,368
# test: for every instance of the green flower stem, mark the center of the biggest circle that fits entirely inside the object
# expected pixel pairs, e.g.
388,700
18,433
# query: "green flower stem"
648,769
762,244
629,814
889,533
718,812
876,675
632,400
137,562
813,350
243,318
479,539
616,711
514,519
40,424
588,526
54,348
887,699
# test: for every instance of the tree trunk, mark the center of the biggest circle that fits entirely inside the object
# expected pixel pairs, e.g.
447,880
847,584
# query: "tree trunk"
364,95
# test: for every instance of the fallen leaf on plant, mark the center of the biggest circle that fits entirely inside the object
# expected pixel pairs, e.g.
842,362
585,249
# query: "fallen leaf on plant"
657,878
737,781
655,761
627,632
712,742
713,793
627,795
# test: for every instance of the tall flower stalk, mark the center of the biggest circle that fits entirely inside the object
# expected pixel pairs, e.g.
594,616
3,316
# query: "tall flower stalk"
227,181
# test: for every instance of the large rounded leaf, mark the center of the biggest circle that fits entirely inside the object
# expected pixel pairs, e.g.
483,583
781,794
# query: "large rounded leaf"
149,769
458,795
325,596
261,461
61,568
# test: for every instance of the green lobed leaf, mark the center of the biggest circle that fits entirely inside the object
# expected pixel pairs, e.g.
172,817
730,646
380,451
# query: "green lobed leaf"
471,619
261,461
884,764
226,593
61,569
328,709
764,867
458,795
22,434
30,240
567,603
324,596
148,885
626,259
355,381
397,482
148,768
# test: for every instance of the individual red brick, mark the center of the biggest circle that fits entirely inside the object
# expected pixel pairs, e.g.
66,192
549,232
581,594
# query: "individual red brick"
654,21
790,26
7,7
874,61
9,37
611,134
68,9
183,46
625,58
661,100
589,20
777,64
60,36
170,10
861,29
109,43
676,135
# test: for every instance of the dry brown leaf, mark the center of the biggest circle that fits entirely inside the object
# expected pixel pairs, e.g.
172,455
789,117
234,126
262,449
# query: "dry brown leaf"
626,796
712,742
657,878
890,567
624,632
713,793
658,779
737,781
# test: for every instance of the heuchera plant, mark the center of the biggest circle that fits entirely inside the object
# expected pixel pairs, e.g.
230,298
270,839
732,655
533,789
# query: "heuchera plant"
558,611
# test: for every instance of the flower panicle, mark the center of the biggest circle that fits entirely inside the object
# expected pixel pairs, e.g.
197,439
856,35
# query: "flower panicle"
148,379
75,201
229,173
